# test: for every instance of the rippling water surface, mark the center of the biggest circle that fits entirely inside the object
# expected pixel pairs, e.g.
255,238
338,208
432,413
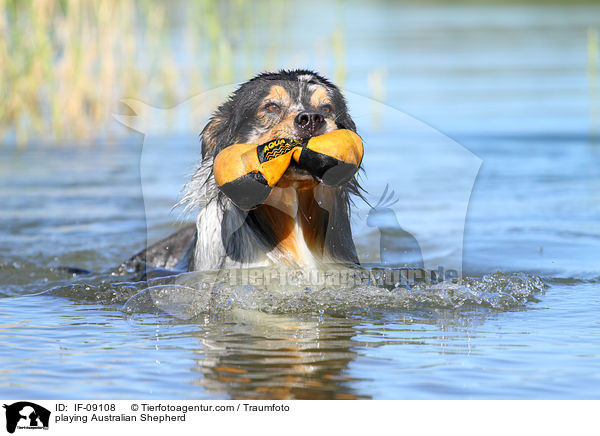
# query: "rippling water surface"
509,83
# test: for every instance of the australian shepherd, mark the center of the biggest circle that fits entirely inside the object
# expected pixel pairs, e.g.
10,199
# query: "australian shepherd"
303,222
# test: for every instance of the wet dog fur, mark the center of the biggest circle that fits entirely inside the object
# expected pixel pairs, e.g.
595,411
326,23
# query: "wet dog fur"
302,222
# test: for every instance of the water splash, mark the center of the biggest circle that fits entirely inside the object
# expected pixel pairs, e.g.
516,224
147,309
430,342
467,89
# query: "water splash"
191,295
194,294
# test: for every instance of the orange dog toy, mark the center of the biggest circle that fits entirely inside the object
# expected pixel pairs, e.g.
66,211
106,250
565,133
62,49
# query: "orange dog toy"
246,173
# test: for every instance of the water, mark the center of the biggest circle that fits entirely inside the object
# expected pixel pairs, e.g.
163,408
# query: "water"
509,83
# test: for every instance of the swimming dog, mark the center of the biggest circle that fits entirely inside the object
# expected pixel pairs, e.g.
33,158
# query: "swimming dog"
303,221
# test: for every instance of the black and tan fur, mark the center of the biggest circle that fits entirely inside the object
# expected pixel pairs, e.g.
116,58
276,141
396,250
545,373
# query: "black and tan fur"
302,222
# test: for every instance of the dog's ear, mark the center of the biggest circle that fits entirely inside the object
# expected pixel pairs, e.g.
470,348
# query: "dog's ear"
220,132
214,135
344,121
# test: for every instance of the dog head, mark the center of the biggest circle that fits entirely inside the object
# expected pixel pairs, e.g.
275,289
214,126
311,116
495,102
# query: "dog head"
295,104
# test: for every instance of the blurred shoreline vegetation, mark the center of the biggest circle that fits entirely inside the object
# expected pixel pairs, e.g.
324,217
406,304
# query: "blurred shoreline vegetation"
65,65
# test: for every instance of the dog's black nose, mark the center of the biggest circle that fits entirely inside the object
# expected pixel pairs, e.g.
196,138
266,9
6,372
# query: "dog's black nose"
309,122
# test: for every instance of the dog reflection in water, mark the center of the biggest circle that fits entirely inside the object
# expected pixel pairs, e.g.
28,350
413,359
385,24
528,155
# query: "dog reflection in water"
259,341
253,355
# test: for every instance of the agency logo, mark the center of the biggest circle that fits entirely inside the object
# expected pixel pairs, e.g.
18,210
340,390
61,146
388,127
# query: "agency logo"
26,415
419,180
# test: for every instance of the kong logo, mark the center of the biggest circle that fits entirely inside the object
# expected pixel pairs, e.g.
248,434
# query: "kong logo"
26,415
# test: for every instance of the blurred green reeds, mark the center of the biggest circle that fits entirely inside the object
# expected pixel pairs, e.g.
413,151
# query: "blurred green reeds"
65,65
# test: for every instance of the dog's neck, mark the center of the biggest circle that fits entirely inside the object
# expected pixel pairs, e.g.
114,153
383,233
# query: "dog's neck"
295,221
302,222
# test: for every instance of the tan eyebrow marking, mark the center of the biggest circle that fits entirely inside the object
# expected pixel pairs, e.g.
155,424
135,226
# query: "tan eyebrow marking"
319,97
278,93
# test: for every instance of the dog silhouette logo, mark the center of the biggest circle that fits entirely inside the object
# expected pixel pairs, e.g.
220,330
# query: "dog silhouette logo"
396,245
26,415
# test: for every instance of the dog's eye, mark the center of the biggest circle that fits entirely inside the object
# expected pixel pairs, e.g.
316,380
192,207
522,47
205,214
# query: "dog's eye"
272,107
326,108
